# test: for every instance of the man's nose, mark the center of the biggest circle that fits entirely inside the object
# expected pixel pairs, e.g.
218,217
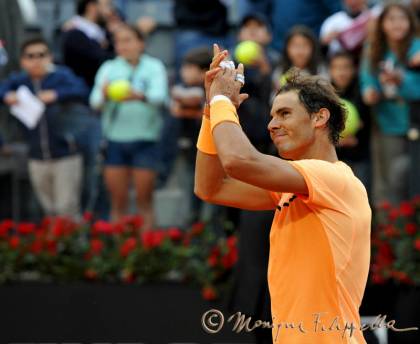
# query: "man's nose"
273,124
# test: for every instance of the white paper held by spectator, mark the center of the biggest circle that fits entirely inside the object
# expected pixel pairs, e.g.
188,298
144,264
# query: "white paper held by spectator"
29,108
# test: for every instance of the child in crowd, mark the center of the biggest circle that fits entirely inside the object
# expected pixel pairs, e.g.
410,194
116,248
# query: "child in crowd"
353,149
301,50
55,164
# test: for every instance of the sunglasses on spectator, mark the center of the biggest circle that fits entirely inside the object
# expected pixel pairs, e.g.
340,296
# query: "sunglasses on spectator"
32,56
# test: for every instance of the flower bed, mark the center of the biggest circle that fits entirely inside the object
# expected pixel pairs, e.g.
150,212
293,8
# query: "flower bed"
60,250
396,244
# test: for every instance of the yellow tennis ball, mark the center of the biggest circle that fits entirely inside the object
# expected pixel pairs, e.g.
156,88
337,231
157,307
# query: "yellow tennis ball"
247,52
353,123
118,90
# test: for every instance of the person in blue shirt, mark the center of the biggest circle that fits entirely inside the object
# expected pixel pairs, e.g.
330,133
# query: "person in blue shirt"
388,85
55,164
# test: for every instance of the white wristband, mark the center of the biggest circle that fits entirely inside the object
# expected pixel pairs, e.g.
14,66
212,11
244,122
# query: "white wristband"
220,97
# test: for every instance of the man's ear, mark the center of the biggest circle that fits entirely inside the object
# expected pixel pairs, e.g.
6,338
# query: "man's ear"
321,118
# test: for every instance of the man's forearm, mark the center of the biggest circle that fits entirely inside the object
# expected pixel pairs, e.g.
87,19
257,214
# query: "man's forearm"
209,175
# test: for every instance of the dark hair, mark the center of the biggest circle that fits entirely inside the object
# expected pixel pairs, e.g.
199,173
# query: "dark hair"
82,6
314,93
304,31
200,57
134,29
378,44
32,41
257,17
342,54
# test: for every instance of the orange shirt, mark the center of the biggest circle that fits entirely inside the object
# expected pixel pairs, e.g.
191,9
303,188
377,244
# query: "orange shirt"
319,257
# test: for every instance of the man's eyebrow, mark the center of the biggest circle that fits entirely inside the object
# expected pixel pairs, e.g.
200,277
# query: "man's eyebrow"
284,108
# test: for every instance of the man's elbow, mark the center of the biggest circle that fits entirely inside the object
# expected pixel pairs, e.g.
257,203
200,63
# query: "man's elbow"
202,194
234,165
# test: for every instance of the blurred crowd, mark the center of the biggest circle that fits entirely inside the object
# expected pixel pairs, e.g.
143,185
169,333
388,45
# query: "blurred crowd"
114,119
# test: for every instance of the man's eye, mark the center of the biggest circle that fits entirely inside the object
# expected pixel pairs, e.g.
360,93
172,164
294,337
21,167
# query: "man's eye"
285,113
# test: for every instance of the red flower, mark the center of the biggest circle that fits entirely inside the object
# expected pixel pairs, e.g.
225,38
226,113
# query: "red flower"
5,227
58,228
393,214
118,228
96,246
377,279
231,241
14,242
212,260
385,205
230,259
88,216
384,255
36,247
390,231
209,293
406,209
174,234
417,244
128,246
410,228
91,274
51,247
151,239
197,228
102,227
26,228
46,222
401,276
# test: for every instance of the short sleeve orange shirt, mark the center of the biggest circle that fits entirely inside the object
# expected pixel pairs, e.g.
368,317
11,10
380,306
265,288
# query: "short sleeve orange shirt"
319,257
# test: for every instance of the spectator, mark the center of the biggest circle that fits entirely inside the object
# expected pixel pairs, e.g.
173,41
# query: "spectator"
85,40
301,50
285,14
353,149
355,13
187,104
388,85
198,23
55,165
131,126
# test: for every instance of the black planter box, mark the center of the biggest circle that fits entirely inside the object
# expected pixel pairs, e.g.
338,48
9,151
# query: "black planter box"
98,313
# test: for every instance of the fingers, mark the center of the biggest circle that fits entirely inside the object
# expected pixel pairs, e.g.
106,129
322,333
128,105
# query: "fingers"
216,49
240,69
210,75
218,58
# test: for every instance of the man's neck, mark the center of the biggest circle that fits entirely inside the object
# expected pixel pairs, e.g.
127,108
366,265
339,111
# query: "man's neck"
320,151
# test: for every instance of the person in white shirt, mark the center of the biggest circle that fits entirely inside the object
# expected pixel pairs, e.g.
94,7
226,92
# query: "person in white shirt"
356,12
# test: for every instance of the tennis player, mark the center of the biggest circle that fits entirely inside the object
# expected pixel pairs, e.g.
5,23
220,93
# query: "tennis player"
320,236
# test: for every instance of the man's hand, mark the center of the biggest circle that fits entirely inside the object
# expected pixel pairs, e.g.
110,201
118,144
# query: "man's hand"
47,96
10,98
218,56
135,95
225,84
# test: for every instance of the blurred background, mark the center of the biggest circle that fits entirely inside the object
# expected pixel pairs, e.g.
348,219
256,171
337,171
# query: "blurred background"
101,235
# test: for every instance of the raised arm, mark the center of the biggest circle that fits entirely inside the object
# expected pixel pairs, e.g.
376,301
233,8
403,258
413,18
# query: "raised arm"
211,182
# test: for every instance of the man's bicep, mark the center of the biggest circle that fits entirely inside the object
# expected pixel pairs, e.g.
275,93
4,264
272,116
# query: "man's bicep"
237,194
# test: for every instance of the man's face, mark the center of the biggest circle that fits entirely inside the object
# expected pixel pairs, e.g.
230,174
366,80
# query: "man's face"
35,60
291,128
